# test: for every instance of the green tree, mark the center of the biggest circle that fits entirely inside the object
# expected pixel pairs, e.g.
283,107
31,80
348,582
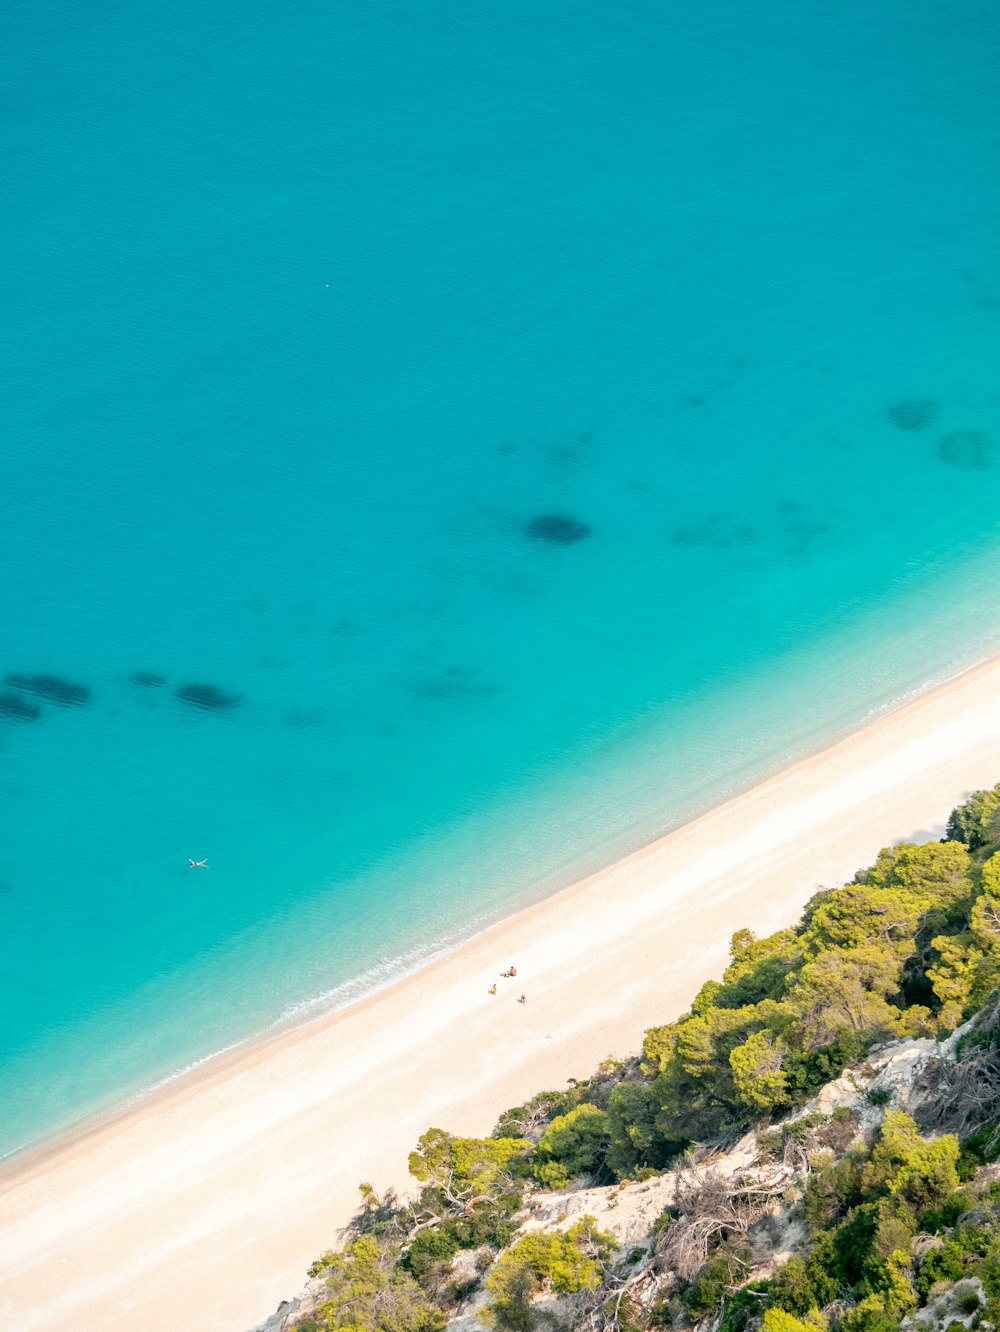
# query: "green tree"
761,1082
778,1320
934,871
368,1292
977,821
846,988
904,1164
863,915
791,1289
955,965
572,1145
697,1088
561,1261
456,1170
658,1045
869,1315
985,915
759,968
635,1138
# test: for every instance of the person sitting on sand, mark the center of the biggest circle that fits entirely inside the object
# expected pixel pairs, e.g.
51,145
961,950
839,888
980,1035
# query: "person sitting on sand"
493,988
513,970
521,1000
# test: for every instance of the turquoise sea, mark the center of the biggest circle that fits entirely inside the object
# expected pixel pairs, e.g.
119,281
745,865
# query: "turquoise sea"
526,424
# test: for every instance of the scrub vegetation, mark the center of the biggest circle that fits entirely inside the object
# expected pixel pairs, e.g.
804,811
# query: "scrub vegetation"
887,1223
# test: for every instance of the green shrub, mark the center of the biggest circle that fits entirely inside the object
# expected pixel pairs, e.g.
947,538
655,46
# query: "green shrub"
967,1299
777,1320
367,1292
429,1248
743,1307
945,1264
870,1315
563,1261
725,1268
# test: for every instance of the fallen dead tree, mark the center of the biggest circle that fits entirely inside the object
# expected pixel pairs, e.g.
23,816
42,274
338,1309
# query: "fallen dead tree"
714,1207
966,1091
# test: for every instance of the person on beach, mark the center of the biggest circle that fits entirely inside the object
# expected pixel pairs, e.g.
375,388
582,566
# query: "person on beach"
493,988
513,970
521,1000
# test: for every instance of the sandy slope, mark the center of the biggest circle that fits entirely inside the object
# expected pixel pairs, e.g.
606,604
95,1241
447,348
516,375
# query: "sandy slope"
201,1210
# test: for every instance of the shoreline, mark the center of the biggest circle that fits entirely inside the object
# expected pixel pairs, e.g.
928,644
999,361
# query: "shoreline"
579,868
226,1171
20,1160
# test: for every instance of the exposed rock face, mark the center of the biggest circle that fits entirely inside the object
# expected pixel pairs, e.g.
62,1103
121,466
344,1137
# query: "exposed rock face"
284,1318
955,1303
627,1210
894,1074
281,1319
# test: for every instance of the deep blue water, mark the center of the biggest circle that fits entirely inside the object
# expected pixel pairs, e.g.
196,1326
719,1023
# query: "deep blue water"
310,313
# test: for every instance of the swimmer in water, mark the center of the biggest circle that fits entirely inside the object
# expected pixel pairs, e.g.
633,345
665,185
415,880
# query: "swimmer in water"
198,864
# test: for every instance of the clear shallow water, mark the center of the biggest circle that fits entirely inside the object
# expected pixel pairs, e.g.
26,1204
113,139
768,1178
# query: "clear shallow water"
308,316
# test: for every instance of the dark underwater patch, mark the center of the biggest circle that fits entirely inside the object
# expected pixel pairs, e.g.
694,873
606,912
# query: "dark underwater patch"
304,717
452,684
558,529
913,413
148,679
802,527
51,688
207,697
15,707
563,456
971,450
717,530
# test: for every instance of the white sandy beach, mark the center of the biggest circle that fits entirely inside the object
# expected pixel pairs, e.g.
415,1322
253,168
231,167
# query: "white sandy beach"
201,1209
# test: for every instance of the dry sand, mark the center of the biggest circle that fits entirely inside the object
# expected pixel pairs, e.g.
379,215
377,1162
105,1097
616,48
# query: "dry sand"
200,1210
